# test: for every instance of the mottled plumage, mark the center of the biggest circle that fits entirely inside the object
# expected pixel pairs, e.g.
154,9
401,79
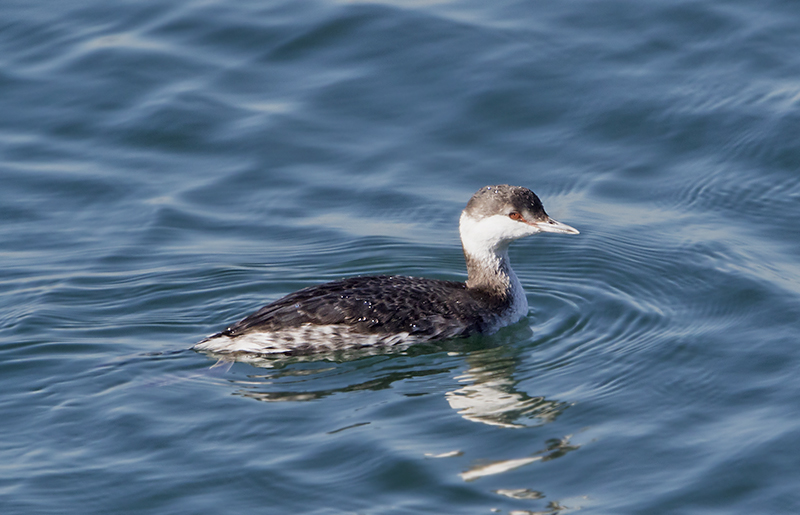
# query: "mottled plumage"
387,304
387,310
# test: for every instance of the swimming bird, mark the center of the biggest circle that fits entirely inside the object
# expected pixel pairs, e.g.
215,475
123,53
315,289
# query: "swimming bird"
383,311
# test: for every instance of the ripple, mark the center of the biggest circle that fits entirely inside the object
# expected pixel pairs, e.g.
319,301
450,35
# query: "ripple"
555,449
168,168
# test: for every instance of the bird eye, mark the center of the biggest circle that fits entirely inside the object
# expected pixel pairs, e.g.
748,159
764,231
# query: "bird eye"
515,216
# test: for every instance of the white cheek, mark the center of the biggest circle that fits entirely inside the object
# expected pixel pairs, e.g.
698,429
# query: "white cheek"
494,232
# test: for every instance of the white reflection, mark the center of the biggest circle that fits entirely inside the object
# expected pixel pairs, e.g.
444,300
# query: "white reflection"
450,454
497,467
520,493
489,394
555,449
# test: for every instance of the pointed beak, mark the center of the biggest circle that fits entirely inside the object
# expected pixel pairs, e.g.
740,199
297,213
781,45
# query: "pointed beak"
551,225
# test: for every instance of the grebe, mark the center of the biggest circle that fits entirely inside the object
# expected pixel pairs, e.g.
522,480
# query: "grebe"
389,310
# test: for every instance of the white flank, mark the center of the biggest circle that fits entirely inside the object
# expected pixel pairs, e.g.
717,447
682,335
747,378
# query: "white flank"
320,337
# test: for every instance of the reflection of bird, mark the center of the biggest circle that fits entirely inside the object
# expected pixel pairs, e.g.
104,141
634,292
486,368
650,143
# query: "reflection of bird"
489,394
495,402
385,310
555,449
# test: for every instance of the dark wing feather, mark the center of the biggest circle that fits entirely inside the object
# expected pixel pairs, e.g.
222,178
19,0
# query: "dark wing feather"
381,304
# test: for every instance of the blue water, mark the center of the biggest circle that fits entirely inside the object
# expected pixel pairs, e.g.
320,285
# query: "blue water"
169,167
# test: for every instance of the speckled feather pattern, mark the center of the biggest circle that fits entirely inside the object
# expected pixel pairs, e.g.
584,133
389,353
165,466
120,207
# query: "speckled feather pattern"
366,311
390,310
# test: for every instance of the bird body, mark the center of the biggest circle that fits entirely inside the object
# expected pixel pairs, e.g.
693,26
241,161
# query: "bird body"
383,311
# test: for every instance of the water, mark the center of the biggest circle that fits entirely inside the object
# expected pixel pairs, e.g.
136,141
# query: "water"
168,168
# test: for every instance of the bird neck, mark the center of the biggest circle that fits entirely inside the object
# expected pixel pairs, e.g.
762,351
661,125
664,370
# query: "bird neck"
489,271
488,268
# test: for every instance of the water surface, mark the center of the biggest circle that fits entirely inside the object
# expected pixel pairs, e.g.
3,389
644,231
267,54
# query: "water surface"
168,168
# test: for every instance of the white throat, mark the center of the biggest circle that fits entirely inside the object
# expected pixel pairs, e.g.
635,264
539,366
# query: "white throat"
485,243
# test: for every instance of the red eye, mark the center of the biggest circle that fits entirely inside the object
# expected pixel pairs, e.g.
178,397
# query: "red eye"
515,216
